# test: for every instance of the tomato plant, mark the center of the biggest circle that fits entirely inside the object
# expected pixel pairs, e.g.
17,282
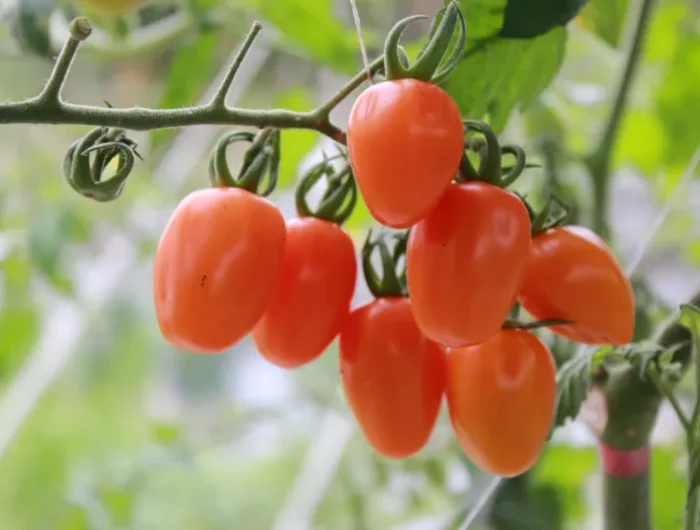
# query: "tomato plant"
466,261
573,275
392,374
319,271
501,396
405,142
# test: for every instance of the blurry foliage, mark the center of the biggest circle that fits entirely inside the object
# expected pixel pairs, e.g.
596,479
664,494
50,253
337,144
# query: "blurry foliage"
93,455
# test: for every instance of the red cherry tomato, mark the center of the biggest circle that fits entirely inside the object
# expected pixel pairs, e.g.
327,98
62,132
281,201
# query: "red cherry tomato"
465,263
216,267
313,296
501,396
405,141
393,376
572,275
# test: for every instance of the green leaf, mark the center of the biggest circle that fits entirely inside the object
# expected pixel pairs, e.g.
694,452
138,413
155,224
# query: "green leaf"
605,18
573,380
313,28
30,26
191,69
677,103
526,19
503,75
690,318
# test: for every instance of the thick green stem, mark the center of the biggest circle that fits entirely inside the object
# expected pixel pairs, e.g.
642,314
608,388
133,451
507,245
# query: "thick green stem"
599,162
626,502
48,107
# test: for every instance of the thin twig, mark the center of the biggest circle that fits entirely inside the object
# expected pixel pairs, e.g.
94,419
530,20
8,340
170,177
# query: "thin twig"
668,393
219,99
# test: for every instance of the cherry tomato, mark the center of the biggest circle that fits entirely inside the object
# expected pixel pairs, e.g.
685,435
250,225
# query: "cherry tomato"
313,296
465,263
501,397
405,142
573,275
393,376
216,268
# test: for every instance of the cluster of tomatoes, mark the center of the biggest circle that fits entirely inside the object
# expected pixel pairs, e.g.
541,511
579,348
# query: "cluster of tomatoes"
228,265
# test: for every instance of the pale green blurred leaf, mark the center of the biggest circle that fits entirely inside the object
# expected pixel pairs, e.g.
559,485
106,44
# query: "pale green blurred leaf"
605,18
296,144
191,70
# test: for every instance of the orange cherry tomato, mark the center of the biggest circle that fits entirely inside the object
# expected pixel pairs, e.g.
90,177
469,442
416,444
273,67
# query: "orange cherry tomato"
501,397
313,296
393,376
216,268
465,263
573,275
405,141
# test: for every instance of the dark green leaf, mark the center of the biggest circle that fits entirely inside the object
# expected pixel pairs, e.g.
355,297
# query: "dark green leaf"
690,318
503,75
191,69
526,19
605,18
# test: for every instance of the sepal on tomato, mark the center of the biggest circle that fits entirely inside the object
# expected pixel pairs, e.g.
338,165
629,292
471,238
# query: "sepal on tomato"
392,282
434,53
491,169
85,176
260,162
339,198
555,213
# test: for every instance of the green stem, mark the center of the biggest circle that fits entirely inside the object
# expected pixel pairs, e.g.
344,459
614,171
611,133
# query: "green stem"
50,96
668,393
599,162
48,108
626,502
219,99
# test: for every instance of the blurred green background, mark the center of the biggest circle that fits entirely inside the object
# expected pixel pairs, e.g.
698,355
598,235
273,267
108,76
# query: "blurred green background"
104,426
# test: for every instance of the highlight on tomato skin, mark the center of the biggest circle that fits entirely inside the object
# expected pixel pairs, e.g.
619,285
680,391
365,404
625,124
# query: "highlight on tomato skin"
216,267
405,141
501,398
393,376
313,295
466,262
573,275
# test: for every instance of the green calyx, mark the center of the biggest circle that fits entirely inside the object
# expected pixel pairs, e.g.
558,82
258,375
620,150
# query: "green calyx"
393,281
555,213
261,162
338,200
435,61
491,155
85,175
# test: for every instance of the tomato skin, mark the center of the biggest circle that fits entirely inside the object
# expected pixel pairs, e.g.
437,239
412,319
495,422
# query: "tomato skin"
216,268
405,141
573,275
312,299
393,376
501,398
466,261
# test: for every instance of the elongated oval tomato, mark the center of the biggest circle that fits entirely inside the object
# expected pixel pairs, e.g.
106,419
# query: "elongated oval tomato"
465,263
501,397
393,376
312,299
216,268
405,141
573,275
113,7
